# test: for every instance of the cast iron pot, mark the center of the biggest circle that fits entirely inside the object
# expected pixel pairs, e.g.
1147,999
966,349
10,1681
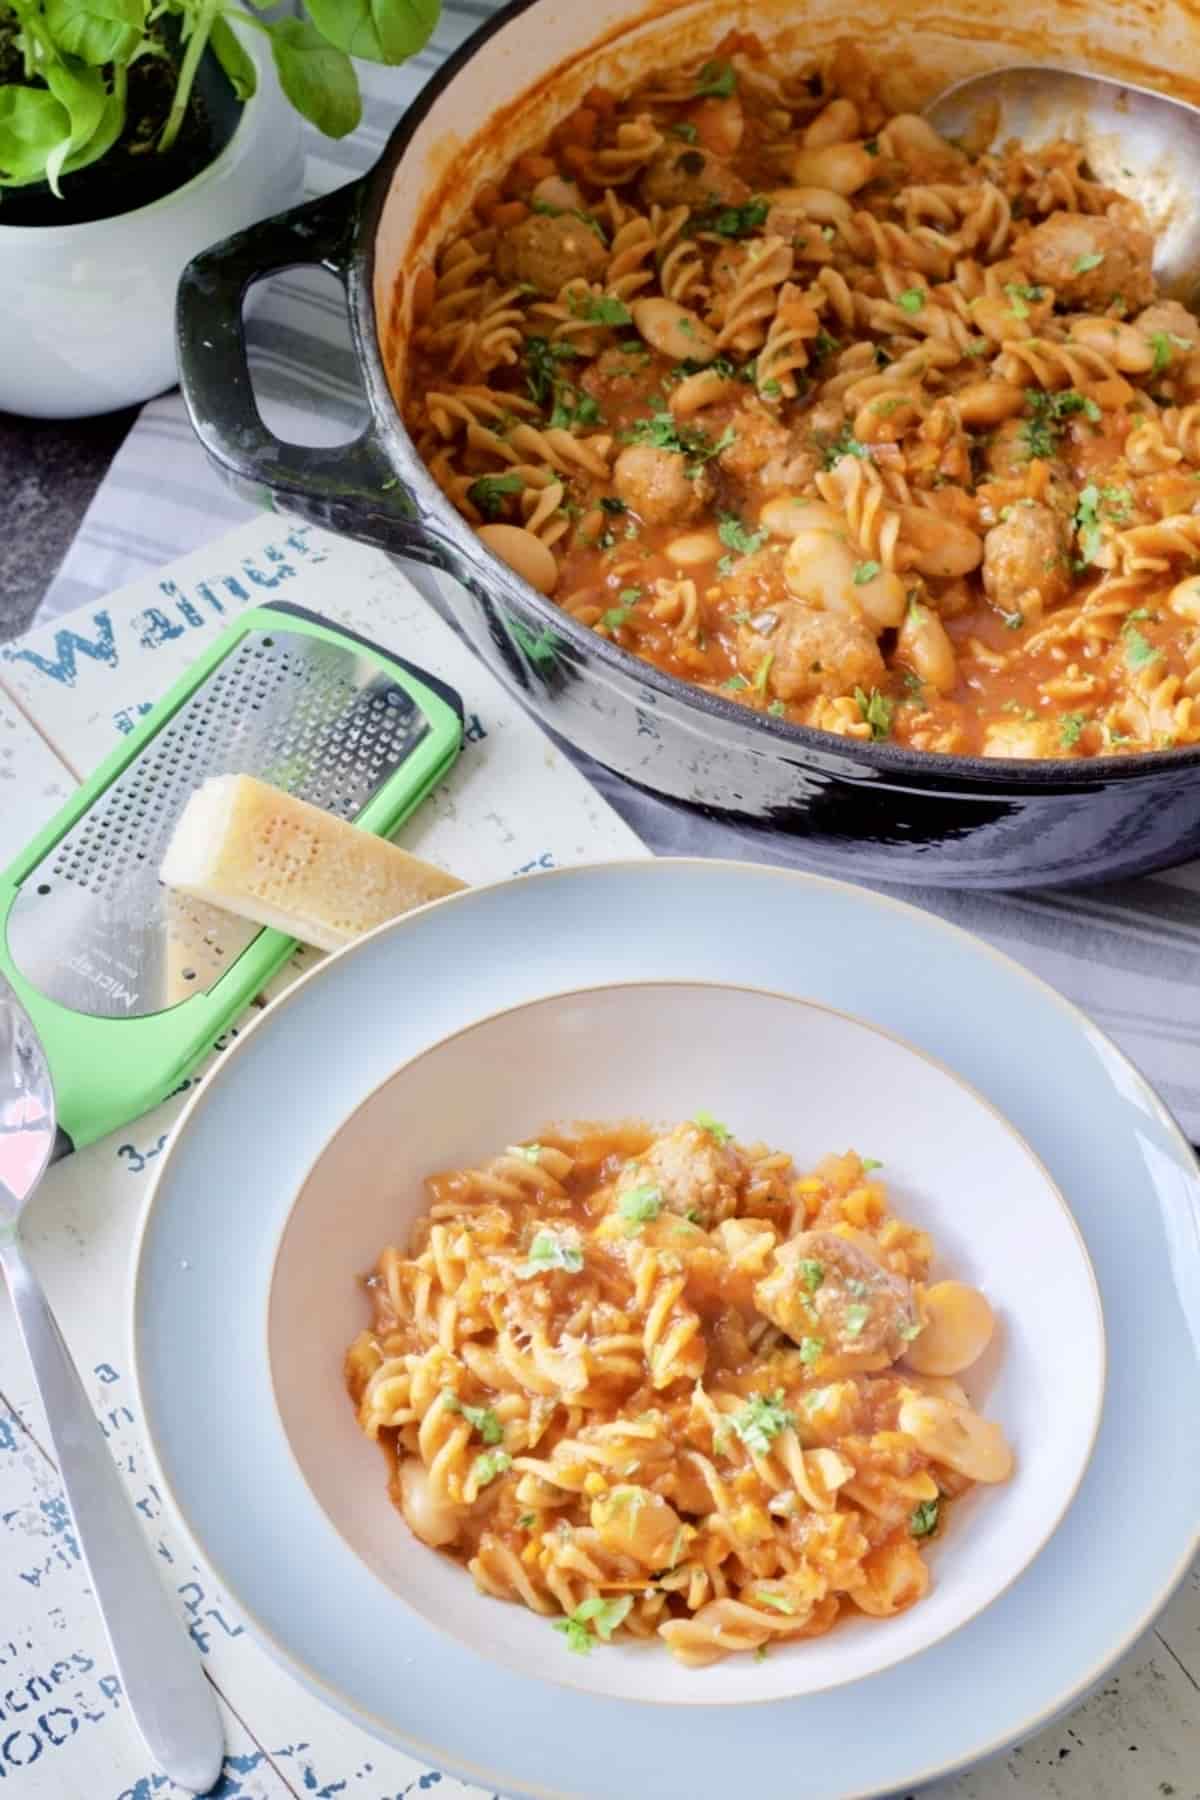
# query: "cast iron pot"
869,809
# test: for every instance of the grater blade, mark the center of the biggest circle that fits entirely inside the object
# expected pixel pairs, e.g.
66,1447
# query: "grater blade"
93,927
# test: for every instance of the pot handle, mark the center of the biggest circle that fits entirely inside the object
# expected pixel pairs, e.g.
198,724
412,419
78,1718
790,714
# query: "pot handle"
350,488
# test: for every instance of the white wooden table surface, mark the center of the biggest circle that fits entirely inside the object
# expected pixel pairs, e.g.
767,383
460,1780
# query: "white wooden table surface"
65,694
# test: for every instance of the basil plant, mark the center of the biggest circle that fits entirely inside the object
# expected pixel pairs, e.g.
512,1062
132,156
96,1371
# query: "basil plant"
65,68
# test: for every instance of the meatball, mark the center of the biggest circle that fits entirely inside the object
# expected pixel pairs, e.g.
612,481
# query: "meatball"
695,1172
1026,553
655,485
811,652
1007,457
824,1286
1178,323
768,456
1087,259
691,177
548,250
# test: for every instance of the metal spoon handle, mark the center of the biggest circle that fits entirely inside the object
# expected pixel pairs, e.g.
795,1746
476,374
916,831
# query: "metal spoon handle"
169,1697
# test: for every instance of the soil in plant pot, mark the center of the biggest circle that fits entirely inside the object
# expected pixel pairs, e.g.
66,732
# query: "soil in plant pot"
134,172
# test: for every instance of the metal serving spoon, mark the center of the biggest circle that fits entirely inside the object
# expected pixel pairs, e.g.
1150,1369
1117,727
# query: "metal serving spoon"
169,1697
1143,144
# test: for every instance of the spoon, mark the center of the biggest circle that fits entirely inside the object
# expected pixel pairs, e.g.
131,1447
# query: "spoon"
165,1686
1139,142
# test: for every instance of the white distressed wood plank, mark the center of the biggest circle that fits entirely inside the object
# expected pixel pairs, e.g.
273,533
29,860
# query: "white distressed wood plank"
34,782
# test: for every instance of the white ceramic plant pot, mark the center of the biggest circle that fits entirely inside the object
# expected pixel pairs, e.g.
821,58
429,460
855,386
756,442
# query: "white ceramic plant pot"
88,311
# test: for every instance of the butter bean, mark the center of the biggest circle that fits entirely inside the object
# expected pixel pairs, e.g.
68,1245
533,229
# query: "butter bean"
674,330
842,167
524,553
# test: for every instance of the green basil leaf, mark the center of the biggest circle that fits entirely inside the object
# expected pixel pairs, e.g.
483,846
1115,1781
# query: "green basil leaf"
382,31
96,31
112,123
233,58
318,79
32,124
83,93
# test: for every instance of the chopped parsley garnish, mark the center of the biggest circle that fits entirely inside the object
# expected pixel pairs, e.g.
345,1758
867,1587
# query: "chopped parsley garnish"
1043,430
732,532
732,221
600,309
844,444
662,432
639,1206
871,146
812,1274
572,407
1092,260
491,1463
911,300
481,1418
1018,293
609,503
825,345
603,1615
871,1162
530,1153
1087,524
1070,729
780,1602
876,709
685,130
488,492
977,347
615,617
763,672
550,1251
856,1318
541,374
1162,351
736,683
762,1418
777,709
714,1127
527,1521
923,1519
864,572
1139,651
812,1349
717,79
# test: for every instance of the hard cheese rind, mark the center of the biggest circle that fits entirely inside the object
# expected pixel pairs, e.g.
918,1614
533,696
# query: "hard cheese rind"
245,846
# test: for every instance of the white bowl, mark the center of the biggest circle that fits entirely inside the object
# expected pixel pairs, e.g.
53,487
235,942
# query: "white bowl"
803,1078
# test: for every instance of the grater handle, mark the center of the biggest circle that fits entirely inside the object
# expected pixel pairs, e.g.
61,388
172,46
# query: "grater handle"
352,488
164,1682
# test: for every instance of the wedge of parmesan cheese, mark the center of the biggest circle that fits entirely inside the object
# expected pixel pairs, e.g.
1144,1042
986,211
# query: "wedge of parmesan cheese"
245,846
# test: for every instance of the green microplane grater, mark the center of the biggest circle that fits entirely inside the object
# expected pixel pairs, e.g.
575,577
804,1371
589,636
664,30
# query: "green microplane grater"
128,984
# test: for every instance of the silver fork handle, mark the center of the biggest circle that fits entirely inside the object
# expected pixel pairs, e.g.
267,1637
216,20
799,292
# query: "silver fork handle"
169,1697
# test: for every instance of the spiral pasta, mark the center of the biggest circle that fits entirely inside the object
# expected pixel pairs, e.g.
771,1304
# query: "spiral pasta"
743,290
664,1386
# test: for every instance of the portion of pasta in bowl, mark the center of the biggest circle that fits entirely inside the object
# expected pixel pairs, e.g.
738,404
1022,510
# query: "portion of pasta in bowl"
859,428
767,1426
665,1385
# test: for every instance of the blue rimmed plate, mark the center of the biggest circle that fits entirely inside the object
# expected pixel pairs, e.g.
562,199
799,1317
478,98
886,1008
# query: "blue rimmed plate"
245,1144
